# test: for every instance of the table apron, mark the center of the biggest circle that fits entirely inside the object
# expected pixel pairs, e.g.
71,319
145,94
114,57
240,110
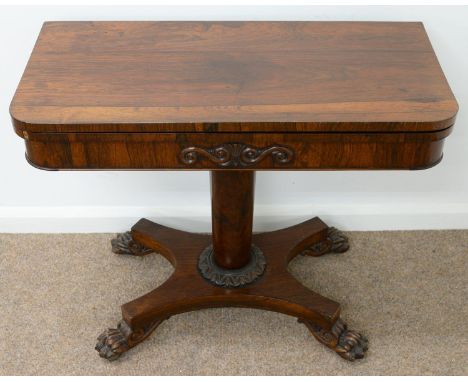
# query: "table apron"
254,151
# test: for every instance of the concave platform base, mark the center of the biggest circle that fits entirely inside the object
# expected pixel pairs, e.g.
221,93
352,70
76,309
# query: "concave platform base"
275,290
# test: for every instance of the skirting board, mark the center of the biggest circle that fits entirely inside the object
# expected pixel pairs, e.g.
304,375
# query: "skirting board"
355,217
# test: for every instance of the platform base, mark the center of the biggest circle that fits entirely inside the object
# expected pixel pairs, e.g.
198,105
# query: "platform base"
274,289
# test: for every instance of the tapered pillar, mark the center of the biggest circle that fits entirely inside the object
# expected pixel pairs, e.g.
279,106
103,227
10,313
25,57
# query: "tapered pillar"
232,201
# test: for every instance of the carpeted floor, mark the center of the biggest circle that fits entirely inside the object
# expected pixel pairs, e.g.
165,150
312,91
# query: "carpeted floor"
407,291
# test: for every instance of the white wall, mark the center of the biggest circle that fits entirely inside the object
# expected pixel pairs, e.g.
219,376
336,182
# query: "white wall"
39,201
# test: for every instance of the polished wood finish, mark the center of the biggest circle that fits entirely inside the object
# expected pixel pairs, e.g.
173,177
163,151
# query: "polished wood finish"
155,95
233,98
186,290
232,204
233,77
311,151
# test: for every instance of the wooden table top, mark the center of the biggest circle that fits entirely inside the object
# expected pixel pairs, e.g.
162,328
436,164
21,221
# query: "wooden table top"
233,77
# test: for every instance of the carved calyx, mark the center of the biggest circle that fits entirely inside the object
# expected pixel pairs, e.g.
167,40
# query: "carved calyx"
115,341
123,244
231,278
348,344
237,154
336,242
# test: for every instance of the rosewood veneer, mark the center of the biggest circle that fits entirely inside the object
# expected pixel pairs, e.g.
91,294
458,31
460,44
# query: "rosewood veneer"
233,98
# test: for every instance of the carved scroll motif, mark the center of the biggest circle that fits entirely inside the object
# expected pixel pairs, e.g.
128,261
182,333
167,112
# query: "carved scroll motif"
237,154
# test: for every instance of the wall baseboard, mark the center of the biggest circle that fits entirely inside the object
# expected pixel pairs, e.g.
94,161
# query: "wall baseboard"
350,217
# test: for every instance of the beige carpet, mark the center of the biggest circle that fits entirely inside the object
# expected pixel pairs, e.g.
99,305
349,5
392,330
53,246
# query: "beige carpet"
407,291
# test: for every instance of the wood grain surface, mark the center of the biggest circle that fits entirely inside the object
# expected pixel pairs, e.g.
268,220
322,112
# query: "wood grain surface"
233,77
275,290
311,151
239,96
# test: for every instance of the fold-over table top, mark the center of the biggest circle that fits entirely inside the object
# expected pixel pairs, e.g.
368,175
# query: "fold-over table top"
233,77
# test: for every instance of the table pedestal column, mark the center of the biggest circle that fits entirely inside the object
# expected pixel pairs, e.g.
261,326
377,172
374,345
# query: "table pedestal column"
232,204
231,267
232,260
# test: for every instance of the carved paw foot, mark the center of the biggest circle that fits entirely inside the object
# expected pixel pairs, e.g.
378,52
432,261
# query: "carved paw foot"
348,344
113,342
124,244
336,242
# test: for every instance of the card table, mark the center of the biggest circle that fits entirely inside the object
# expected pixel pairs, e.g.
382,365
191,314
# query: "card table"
233,98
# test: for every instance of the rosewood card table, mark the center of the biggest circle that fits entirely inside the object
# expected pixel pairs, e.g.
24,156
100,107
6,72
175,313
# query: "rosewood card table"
233,98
